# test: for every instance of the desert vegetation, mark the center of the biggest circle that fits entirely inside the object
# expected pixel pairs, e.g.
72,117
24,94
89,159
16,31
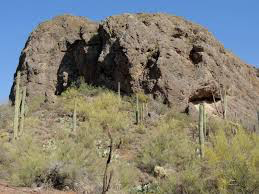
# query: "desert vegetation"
65,145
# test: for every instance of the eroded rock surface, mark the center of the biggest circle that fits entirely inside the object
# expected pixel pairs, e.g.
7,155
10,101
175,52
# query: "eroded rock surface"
179,63
56,54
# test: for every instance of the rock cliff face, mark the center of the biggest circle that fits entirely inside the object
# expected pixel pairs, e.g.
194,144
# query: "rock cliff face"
57,53
177,62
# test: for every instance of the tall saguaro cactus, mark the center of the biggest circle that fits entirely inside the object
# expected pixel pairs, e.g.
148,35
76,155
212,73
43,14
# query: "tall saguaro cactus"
204,121
17,106
143,111
75,116
201,129
119,91
137,110
22,110
258,117
225,104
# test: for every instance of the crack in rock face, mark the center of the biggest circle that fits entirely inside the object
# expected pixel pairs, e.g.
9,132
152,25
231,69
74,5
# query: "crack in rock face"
171,59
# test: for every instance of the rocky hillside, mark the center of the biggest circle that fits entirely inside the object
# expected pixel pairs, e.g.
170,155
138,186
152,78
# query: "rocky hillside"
65,146
173,60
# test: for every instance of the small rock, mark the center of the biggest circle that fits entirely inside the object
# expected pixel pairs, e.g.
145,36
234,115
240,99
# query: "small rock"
160,172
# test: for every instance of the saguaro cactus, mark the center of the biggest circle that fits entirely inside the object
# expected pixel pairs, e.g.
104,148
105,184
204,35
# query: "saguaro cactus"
119,91
201,129
225,104
140,113
22,110
143,111
17,106
204,120
223,100
74,116
137,110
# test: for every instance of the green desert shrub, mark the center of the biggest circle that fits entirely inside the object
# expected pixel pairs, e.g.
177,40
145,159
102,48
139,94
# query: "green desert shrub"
85,89
90,90
101,111
234,162
168,146
26,161
64,161
125,176
186,181
231,163
6,116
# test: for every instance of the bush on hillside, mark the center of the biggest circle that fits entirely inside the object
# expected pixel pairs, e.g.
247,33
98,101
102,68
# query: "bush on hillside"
231,163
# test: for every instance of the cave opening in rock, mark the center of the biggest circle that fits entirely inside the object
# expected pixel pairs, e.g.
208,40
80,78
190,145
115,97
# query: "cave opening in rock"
80,60
196,54
201,96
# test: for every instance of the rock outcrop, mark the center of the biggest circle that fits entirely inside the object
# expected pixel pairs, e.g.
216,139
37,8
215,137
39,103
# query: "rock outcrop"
179,63
56,54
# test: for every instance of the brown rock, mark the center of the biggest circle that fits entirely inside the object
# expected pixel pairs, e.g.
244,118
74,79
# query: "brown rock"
160,172
174,60
56,54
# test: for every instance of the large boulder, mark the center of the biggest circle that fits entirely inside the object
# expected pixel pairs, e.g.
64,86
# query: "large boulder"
175,61
56,54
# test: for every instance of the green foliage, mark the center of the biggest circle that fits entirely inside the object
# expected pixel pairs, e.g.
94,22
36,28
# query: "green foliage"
143,98
62,163
49,154
186,181
101,111
234,162
6,115
230,165
25,162
85,89
168,145
126,175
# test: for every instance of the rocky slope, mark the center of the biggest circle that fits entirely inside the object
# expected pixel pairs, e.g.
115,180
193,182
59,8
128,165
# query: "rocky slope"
175,61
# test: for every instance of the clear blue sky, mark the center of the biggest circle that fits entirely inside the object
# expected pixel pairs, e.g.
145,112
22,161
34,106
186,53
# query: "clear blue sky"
234,22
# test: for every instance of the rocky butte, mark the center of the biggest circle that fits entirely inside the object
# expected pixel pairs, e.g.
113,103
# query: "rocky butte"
177,62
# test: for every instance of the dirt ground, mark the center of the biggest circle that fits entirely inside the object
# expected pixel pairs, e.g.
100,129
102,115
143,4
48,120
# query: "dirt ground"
5,188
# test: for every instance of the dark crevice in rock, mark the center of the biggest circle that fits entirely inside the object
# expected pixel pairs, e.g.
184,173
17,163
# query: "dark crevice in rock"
80,60
150,84
179,33
114,67
152,67
207,99
204,95
195,54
